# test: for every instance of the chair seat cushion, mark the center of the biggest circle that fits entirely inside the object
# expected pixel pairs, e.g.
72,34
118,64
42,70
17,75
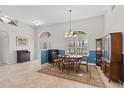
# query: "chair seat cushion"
71,60
83,62
57,60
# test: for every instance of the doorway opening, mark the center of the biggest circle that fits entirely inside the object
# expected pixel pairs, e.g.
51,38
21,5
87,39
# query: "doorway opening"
45,40
4,47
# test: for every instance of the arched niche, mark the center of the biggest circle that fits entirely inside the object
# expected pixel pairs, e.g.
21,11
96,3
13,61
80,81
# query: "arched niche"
45,40
4,47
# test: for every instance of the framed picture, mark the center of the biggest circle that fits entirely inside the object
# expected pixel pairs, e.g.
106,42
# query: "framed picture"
21,41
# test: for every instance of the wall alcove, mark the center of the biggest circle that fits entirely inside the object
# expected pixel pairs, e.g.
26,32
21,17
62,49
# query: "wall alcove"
45,40
4,47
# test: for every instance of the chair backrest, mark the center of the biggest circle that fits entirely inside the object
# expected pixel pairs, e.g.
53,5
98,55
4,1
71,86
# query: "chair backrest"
65,60
86,58
54,55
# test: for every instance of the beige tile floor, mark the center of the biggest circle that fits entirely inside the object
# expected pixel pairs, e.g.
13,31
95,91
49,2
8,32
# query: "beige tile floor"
25,75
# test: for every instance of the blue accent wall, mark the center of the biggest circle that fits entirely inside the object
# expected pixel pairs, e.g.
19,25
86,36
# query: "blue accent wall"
92,56
61,52
123,58
44,56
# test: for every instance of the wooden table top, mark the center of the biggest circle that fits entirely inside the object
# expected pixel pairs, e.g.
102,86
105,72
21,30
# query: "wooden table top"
71,56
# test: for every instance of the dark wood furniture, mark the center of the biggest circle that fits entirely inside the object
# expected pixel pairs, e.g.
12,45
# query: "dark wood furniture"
84,61
23,56
112,56
66,64
56,59
70,62
73,62
99,51
50,59
122,73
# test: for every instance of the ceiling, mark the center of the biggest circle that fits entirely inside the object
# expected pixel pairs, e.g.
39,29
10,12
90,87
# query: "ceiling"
51,14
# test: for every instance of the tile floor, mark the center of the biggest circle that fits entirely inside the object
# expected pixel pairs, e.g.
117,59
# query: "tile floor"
25,75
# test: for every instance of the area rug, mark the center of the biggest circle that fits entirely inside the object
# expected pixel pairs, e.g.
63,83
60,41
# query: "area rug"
92,77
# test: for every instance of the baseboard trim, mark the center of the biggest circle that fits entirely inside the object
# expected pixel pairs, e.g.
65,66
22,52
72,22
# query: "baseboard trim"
91,64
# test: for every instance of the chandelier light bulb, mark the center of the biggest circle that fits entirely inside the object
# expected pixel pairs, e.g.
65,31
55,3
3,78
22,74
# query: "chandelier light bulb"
66,36
37,22
66,33
71,33
75,35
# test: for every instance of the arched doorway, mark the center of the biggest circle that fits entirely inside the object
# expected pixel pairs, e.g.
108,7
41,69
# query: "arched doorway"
45,40
4,47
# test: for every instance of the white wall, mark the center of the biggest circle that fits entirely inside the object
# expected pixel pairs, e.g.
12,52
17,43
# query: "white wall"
114,20
3,47
20,30
0,49
94,26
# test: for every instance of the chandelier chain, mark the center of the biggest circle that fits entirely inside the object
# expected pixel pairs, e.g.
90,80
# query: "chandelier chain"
70,19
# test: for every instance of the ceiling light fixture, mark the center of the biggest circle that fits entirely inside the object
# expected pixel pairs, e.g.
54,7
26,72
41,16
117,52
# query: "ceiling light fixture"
73,34
6,19
37,22
70,33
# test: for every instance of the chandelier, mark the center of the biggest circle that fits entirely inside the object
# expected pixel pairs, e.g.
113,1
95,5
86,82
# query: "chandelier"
70,33
73,34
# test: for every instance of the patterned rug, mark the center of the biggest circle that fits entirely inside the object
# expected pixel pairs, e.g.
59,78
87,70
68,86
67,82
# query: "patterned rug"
92,77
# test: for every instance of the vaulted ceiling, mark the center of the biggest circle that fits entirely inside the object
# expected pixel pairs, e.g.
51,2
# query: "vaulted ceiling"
51,14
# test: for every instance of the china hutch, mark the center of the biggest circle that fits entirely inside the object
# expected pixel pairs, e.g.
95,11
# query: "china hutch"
112,56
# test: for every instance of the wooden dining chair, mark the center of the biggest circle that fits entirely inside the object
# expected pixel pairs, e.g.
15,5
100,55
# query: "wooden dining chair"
67,64
84,61
55,58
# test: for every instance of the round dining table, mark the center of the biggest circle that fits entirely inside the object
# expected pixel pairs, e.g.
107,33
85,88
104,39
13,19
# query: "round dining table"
76,59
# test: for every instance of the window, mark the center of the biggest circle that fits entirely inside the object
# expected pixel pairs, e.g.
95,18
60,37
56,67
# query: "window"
77,44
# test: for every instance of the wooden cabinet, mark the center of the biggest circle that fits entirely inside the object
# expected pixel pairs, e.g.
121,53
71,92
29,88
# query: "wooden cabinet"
112,56
23,56
122,73
99,51
107,69
103,66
